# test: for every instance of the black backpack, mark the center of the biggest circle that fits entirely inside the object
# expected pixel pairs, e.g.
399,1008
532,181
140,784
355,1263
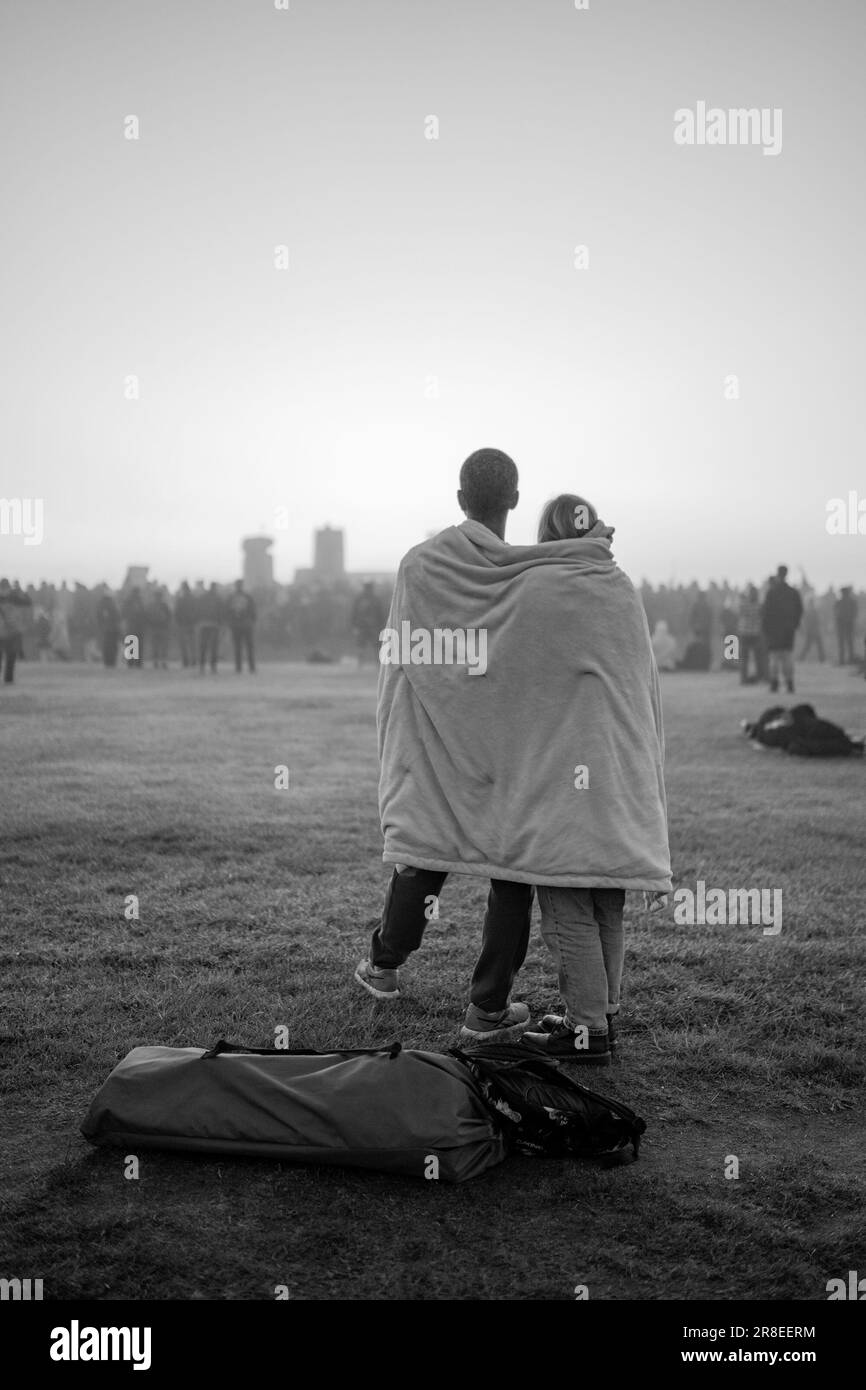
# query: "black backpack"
544,1112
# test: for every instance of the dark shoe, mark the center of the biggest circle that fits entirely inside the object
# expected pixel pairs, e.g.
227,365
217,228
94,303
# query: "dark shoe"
504,1026
774,686
550,1022
564,1043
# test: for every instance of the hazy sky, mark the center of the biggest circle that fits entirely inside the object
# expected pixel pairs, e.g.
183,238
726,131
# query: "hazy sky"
413,259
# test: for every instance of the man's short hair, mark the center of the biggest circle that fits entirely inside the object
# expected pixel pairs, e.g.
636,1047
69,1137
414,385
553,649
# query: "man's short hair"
488,481
782,571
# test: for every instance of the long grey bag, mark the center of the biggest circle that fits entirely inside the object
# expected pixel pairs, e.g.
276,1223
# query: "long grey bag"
417,1113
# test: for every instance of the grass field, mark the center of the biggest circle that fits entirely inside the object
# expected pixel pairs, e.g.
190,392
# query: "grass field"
254,907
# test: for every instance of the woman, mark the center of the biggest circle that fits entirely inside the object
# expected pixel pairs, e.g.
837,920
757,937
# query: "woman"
583,927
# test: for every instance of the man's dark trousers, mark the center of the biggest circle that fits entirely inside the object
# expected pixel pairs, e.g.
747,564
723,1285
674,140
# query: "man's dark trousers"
208,645
242,640
186,640
504,938
750,646
845,638
110,643
8,653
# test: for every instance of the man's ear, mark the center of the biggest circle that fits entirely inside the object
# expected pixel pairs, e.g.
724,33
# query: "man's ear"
461,502
514,502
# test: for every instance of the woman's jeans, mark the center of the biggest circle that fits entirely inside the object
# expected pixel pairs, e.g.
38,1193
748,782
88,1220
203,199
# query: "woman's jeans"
582,929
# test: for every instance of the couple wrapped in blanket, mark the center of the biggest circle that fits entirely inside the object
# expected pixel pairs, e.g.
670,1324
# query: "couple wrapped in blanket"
520,741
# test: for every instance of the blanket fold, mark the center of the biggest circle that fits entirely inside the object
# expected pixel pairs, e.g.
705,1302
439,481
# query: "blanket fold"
519,716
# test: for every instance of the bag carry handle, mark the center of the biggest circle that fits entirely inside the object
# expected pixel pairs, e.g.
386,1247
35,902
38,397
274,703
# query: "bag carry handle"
220,1048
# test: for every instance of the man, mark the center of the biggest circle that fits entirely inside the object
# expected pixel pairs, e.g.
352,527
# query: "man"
241,612
210,613
845,613
701,618
368,619
108,625
158,617
749,634
184,617
698,653
781,613
13,605
812,630
134,625
487,493
42,627
60,644
21,601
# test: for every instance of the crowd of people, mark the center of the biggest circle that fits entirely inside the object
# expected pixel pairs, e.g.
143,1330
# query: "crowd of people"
753,631
144,621
143,624
137,624
146,624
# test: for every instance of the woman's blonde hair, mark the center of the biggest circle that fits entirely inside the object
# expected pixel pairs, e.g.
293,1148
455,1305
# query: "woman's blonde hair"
565,518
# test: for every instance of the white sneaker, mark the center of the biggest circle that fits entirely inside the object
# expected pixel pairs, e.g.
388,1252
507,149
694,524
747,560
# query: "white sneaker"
382,984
